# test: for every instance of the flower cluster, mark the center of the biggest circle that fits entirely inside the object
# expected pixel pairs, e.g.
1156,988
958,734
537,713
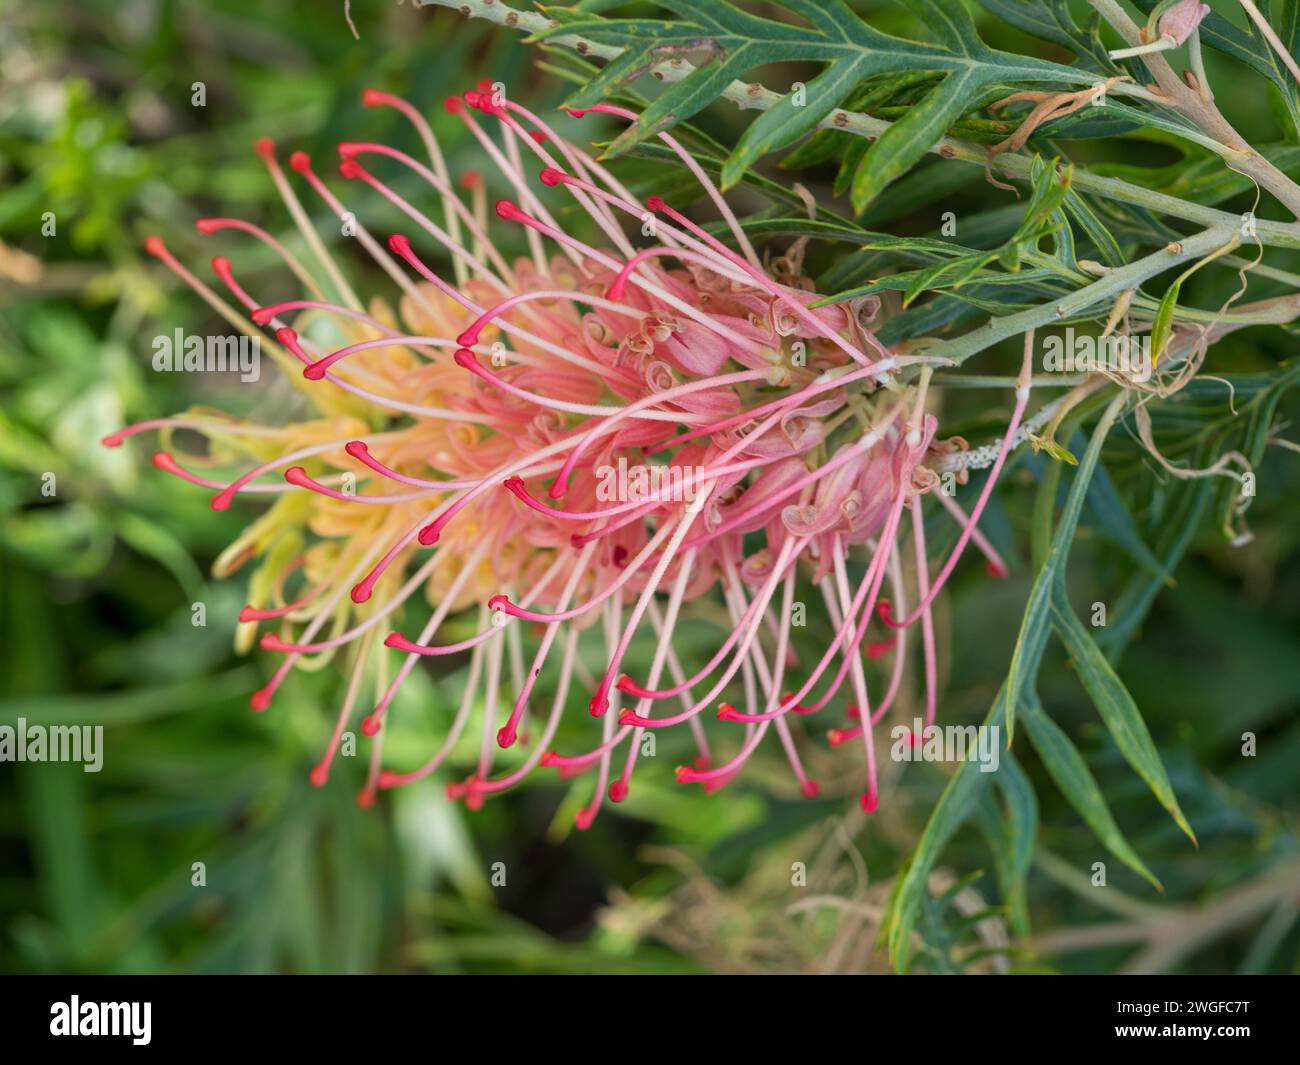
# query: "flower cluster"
458,440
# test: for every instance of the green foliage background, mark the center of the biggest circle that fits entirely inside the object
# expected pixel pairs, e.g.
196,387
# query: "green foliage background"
96,587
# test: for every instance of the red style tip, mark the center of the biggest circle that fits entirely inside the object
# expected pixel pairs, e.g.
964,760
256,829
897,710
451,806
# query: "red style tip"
584,818
551,176
997,570
470,180
361,593
810,789
371,724
113,439
366,798
628,717
399,244
315,371
869,802
506,736
507,210
297,476
598,705
260,699
261,316
539,135
373,98
685,774
357,449
388,779
395,639
578,112
453,105
727,712
207,226
350,170
548,759
154,246
618,791
265,147
319,775
301,162
655,203
835,736
348,149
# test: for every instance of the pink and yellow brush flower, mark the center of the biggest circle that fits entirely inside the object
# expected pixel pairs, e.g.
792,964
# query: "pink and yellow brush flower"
462,447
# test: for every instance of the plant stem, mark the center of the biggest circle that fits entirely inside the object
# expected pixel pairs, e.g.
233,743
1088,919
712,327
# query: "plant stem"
1105,288
1192,105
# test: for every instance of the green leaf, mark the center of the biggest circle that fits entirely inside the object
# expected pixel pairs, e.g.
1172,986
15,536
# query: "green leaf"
951,23
850,50
1034,623
1116,523
1135,600
957,802
1070,772
1051,20
1011,835
789,119
909,139
1116,706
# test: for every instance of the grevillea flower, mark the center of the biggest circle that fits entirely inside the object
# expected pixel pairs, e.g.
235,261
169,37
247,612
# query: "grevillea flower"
461,439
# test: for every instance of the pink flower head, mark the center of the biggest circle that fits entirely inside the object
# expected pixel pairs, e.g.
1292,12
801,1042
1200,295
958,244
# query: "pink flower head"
461,445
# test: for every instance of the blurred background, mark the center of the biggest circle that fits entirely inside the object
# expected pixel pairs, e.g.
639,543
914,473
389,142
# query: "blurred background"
97,583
